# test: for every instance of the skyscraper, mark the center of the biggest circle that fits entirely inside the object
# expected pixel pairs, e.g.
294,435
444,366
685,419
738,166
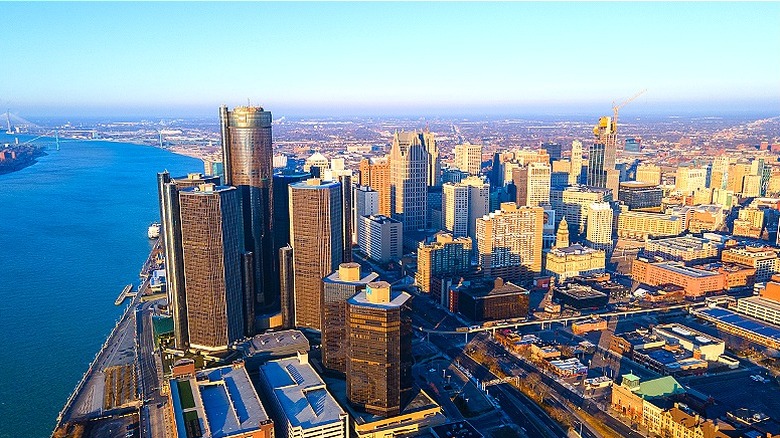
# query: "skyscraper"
338,287
510,243
170,218
601,156
576,162
281,187
375,173
553,149
463,203
379,356
365,202
287,286
434,161
316,240
599,226
212,247
468,158
532,182
409,161
247,156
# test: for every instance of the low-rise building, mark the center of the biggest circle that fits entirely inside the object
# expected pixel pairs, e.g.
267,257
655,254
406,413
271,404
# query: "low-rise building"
300,401
489,300
700,344
763,259
640,225
272,345
218,403
579,296
574,260
696,282
682,248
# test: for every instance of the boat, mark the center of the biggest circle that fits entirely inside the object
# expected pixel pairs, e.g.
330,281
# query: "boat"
154,230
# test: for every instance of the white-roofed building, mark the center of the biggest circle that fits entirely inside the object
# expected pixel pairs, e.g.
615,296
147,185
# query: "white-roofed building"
300,401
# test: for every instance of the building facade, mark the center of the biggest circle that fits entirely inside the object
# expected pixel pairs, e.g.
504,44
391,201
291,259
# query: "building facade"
509,243
409,161
316,240
212,249
379,358
381,238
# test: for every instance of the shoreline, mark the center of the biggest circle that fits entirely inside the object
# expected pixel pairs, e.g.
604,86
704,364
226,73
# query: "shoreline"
15,166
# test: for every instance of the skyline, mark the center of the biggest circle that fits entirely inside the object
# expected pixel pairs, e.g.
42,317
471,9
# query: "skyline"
390,58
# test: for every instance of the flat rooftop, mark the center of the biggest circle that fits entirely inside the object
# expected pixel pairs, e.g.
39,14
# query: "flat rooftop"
678,268
397,299
734,319
222,398
302,394
273,341
684,332
579,291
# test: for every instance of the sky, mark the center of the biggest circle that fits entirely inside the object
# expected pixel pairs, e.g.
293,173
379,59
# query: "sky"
185,59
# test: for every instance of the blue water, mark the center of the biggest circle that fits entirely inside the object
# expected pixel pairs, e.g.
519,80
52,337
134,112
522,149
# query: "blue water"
72,235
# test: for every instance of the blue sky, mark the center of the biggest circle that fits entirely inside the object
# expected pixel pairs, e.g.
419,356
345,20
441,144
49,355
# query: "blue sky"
387,58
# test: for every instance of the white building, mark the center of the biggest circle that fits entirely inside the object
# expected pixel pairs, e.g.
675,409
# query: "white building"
381,238
365,202
302,405
599,226
463,203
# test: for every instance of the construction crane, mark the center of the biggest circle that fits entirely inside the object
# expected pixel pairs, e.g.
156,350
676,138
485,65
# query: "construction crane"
616,108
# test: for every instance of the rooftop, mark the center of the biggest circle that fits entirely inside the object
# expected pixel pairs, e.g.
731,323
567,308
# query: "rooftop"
397,299
575,249
301,393
679,268
661,387
272,341
222,398
742,322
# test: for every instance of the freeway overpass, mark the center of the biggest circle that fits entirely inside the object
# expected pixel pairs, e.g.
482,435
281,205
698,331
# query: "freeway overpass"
517,324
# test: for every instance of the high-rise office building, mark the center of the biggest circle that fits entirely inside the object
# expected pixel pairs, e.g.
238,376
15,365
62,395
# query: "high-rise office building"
287,286
601,156
468,158
247,153
638,195
633,145
212,247
446,256
532,183
463,203
365,202
281,187
409,160
379,357
434,161
599,226
170,218
553,150
576,162
509,242
375,173
316,240
573,203
381,238
316,165
338,287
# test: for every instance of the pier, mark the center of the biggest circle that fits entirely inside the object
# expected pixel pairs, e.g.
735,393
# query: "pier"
126,293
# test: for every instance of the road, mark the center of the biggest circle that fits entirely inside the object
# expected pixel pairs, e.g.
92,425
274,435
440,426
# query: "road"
153,424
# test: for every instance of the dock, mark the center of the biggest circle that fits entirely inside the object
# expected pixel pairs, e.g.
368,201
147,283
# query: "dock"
126,293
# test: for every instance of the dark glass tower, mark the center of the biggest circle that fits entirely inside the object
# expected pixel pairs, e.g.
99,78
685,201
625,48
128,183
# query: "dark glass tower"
247,156
168,190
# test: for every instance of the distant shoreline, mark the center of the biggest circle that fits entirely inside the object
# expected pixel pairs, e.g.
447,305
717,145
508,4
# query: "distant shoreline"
21,163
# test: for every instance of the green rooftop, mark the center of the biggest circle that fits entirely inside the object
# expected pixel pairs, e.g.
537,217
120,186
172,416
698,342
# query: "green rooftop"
661,387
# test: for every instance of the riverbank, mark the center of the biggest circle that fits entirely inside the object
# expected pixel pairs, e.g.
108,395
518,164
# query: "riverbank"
22,158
